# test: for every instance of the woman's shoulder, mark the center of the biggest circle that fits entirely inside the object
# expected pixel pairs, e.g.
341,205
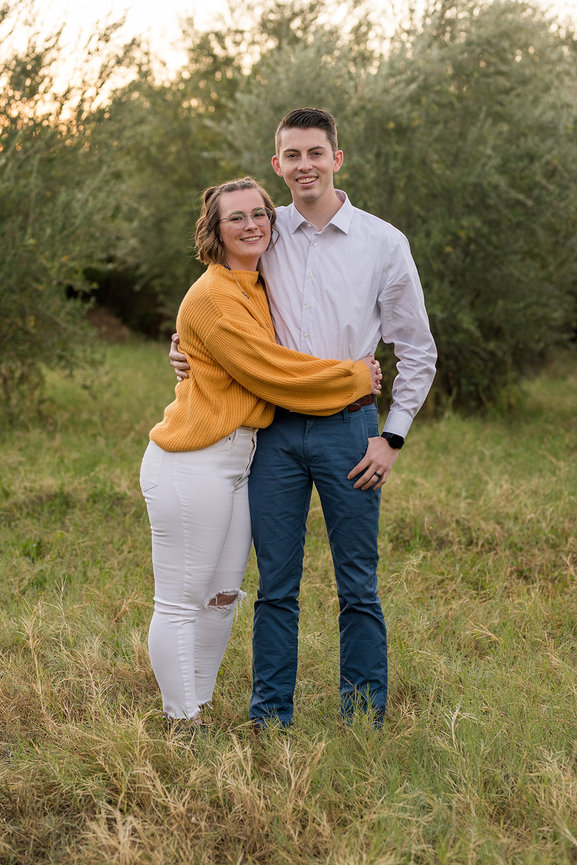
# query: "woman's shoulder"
214,293
208,285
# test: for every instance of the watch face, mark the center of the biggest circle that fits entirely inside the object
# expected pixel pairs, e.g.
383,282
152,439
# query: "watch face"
394,440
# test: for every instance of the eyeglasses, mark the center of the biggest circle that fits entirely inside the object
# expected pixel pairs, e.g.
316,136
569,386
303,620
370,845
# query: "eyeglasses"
238,219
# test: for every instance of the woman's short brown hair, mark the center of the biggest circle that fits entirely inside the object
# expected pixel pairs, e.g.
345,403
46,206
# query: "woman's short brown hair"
209,246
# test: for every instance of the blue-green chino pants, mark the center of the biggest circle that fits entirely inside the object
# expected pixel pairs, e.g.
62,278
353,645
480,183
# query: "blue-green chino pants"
293,453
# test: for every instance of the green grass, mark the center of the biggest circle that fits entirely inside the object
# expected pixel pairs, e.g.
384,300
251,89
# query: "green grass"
476,762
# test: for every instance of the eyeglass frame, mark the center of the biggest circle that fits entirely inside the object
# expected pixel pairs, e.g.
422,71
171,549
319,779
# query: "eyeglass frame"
267,210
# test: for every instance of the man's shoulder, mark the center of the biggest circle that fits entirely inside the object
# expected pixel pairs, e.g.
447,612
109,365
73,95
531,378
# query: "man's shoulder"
283,215
376,224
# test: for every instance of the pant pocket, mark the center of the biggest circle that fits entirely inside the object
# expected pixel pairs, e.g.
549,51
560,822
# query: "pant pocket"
249,455
370,418
151,467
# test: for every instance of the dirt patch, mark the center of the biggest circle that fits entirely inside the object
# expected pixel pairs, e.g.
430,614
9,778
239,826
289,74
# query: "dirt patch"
108,325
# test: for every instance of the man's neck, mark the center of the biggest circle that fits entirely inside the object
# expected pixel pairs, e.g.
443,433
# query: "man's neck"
320,213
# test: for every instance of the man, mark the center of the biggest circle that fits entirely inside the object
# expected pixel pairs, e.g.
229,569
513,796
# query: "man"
338,280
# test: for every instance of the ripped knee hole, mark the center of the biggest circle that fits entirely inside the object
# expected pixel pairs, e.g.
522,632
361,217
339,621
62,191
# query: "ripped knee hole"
224,599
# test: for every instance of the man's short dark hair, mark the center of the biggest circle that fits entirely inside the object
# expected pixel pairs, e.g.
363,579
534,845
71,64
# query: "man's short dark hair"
309,118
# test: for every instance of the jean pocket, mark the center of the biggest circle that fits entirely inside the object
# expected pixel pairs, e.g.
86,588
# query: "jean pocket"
151,467
372,422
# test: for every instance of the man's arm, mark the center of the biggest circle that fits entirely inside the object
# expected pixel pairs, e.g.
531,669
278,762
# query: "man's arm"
404,322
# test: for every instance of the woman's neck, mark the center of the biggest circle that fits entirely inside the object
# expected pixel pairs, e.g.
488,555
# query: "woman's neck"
234,262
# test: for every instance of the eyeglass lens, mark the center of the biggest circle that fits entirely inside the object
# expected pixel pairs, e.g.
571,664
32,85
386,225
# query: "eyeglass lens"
238,219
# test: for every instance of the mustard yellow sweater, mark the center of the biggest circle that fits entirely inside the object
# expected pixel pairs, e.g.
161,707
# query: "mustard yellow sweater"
238,372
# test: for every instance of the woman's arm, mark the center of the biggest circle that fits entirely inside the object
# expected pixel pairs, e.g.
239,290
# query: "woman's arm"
291,379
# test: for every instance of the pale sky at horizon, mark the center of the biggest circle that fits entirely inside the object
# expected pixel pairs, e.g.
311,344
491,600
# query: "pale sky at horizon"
157,21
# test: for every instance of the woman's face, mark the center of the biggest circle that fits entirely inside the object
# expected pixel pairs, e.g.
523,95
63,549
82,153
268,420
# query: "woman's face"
244,240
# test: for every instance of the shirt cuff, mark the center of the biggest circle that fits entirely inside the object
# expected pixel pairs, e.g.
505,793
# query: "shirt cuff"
398,422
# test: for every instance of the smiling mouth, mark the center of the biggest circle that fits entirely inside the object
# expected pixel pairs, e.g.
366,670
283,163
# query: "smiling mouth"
306,180
253,238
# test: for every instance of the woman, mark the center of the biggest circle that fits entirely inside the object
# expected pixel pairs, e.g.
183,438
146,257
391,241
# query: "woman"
195,470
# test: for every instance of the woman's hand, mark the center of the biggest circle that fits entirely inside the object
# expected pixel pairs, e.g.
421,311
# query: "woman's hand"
375,371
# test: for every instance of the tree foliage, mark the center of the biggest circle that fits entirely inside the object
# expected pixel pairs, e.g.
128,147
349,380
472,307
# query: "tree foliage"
462,135
166,146
459,128
476,168
57,208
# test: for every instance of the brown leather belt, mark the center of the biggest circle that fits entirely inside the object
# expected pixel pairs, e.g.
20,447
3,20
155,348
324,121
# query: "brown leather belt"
364,400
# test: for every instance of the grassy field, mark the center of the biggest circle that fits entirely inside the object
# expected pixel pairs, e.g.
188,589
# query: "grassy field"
476,762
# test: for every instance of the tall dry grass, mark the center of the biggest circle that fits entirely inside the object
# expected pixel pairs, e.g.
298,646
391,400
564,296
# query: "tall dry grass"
476,760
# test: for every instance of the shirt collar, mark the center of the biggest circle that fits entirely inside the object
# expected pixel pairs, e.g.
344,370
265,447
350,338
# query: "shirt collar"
341,219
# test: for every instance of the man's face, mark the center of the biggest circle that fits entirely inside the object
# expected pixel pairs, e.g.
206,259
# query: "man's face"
306,163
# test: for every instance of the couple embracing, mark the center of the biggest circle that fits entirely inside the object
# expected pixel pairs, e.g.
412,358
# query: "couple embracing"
277,393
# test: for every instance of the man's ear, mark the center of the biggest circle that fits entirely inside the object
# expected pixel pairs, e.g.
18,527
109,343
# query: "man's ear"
276,165
339,158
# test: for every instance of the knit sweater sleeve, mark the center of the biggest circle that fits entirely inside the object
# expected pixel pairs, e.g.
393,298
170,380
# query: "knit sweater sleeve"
245,348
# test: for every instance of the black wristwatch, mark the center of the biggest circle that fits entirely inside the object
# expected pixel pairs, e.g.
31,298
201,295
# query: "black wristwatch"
394,440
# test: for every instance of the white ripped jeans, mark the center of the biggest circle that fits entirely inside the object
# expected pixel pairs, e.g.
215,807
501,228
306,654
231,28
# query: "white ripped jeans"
197,504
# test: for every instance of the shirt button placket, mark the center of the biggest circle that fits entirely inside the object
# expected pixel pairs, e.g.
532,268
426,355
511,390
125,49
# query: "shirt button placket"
308,299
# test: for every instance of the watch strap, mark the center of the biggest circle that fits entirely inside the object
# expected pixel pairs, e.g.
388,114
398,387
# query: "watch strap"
395,441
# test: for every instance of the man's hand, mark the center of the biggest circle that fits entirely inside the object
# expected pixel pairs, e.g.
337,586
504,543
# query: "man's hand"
376,465
178,360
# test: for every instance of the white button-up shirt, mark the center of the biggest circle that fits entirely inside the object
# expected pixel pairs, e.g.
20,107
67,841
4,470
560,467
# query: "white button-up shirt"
334,293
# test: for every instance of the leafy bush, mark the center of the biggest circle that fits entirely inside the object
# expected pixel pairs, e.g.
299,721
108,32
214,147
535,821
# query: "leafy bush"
56,215
471,132
459,129
462,134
